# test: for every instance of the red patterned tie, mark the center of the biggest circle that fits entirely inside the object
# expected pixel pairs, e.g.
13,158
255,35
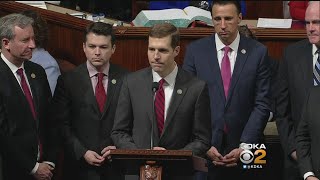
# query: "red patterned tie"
100,92
226,71
159,106
28,96
26,91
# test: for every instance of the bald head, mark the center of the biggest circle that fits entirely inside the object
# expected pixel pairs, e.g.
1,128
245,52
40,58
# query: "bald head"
312,19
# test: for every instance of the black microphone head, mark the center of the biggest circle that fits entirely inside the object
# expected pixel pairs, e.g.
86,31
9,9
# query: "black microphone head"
155,86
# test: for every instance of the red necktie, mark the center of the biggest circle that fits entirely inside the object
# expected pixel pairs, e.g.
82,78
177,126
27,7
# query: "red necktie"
226,71
159,106
100,92
28,96
26,91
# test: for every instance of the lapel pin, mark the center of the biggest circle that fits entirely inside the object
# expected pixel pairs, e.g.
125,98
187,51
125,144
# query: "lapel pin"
243,51
113,81
179,91
33,75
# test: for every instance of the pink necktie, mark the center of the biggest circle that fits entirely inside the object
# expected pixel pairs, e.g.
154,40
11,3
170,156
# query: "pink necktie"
100,92
226,71
159,106
28,96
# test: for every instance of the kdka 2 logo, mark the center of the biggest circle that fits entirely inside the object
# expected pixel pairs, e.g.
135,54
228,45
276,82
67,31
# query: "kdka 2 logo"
253,156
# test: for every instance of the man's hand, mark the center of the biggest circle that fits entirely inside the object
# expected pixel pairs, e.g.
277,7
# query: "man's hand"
159,148
93,158
215,156
106,151
43,172
294,155
232,158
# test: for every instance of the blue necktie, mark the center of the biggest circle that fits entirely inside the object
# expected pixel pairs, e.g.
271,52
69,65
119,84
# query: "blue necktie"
316,71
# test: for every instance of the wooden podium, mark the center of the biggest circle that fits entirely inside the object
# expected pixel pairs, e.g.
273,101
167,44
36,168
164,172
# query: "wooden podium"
152,164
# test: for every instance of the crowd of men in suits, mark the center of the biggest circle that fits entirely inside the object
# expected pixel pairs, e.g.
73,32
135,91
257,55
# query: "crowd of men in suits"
216,104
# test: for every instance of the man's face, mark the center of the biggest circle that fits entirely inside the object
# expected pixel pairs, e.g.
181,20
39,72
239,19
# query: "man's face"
225,20
20,47
312,19
161,55
98,49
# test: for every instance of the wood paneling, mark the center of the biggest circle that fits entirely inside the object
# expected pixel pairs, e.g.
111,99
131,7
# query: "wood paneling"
66,38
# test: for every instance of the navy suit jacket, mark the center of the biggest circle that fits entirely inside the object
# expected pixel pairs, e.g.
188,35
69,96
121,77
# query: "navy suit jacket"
246,109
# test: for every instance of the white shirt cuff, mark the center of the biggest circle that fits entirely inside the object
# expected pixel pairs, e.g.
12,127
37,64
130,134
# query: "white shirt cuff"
307,174
270,117
50,163
34,170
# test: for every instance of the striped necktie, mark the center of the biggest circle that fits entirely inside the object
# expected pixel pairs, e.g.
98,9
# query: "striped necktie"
316,71
159,105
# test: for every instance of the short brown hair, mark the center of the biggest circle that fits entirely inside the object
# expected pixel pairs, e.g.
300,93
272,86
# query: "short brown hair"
101,29
166,29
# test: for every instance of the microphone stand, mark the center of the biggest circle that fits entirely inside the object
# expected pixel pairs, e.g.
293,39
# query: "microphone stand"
155,87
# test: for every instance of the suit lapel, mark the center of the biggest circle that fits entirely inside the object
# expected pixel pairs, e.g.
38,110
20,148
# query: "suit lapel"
112,84
13,88
306,64
214,64
87,89
177,95
238,67
34,87
146,89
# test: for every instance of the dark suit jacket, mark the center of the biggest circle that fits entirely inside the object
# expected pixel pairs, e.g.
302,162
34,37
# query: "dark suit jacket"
19,131
246,109
294,81
84,126
187,121
308,135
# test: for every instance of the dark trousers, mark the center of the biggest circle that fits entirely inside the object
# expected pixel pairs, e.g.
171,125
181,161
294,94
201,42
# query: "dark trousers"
291,170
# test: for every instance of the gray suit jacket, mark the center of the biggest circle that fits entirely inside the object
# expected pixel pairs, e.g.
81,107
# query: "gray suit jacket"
294,81
187,125
84,126
308,134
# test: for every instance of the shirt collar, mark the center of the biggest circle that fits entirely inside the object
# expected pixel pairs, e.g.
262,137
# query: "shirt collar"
170,79
12,67
314,49
93,71
234,45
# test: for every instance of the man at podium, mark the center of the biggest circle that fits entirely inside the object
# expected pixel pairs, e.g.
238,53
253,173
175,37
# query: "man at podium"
163,107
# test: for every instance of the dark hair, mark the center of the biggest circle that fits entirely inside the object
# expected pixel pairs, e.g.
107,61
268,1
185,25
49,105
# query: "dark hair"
166,29
245,31
222,3
100,28
40,28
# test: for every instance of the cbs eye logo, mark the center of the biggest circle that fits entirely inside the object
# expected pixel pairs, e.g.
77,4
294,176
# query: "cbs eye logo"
246,156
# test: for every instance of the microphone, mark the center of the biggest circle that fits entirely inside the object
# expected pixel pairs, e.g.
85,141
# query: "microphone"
155,87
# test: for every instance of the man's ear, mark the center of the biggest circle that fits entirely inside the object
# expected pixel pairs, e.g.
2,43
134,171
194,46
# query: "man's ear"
240,18
177,50
113,48
5,43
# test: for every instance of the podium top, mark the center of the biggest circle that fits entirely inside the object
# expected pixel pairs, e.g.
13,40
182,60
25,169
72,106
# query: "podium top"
173,161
